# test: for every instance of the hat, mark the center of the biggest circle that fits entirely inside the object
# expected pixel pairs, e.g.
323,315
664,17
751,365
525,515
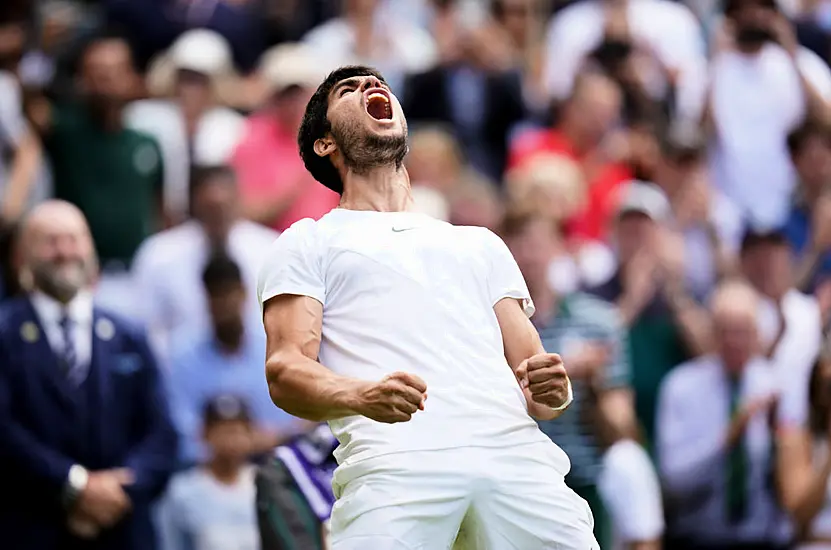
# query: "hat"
226,408
640,197
288,65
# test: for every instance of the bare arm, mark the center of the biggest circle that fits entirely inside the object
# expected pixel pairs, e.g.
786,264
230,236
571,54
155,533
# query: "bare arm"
303,387
521,342
22,176
802,484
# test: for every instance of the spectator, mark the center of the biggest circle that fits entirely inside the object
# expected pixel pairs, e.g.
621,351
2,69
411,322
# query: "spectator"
808,229
190,126
86,443
582,137
276,188
230,359
361,35
295,495
790,323
715,446
665,325
761,59
667,32
804,461
212,507
111,173
585,331
168,266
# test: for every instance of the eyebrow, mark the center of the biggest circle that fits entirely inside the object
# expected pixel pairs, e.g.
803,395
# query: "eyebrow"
352,81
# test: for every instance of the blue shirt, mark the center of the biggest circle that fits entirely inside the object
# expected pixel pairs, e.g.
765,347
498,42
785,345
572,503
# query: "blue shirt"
200,370
798,232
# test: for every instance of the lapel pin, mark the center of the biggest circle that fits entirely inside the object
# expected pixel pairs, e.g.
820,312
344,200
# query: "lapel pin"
104,329
29,332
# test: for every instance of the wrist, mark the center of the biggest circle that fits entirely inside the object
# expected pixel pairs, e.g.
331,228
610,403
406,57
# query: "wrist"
75,484
351,400
569,398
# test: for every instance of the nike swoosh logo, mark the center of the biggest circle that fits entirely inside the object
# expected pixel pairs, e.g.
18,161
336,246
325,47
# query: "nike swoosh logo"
400,229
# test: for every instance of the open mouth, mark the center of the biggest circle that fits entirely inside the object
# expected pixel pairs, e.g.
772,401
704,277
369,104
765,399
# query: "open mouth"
378,105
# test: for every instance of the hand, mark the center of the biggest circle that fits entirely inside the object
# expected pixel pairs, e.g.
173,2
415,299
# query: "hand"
670,255
747,412
821,224
104,500
545,378
589,361
694,206
784,33
640,277
396,398
83,527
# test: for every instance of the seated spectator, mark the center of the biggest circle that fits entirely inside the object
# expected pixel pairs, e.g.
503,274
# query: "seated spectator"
809,224
112,173
715,439
212,507
804,457
275,186
230,359
189,124
167,268
790,323
665,325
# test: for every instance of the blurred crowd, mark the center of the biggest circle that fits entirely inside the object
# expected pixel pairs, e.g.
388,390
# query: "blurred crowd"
660,169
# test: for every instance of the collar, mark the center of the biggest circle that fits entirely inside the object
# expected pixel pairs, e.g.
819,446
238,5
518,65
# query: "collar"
79,308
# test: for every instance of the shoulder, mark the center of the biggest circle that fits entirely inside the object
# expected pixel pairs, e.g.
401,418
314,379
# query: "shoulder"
301,233
811,63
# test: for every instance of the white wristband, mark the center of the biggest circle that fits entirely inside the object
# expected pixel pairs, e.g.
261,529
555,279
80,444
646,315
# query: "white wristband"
569,398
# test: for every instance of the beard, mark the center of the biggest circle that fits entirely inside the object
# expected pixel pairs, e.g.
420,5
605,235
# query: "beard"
364,151
752,35
62,281
229,331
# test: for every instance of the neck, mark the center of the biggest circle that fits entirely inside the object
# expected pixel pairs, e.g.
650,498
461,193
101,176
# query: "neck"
383,189
228,342
224,470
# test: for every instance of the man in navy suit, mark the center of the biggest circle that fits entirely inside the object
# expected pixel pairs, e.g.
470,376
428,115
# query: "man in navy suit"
86,441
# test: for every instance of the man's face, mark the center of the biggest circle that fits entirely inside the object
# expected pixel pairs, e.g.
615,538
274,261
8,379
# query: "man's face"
768,268
60,256
229,439
368,124
107,73
226,305
736,338
596,102
533,248
754,21
634,231
215,206
194,90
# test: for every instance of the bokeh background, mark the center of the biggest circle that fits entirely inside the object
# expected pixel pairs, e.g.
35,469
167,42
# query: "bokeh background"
634,154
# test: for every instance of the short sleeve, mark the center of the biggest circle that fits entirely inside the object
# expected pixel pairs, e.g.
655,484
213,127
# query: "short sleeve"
293,265
504,277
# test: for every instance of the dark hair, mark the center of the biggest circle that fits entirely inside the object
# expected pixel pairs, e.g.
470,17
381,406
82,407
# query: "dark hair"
108,34
818,415
800,135
220,272
316,125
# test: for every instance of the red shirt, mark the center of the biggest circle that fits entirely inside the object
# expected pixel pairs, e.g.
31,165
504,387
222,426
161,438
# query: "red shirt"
604,188
268,166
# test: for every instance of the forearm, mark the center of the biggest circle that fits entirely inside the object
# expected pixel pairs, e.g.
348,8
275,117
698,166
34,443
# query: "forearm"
306,389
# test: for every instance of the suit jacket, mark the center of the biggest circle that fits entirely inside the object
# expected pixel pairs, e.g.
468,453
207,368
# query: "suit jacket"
427,98
117,418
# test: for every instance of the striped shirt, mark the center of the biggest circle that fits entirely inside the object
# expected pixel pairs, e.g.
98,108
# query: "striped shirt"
582,320
310,461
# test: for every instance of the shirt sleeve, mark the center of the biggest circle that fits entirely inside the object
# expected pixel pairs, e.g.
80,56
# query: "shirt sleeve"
293,265
504,277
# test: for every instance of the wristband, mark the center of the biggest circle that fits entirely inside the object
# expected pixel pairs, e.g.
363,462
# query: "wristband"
569,398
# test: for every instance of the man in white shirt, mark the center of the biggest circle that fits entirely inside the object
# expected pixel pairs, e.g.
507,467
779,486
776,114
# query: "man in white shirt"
714,437
397,305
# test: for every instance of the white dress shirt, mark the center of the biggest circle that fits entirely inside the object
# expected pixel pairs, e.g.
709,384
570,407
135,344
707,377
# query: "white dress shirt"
50,312
693,416
168,273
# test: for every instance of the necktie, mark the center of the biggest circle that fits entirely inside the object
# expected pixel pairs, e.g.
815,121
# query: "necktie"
69,356
737,465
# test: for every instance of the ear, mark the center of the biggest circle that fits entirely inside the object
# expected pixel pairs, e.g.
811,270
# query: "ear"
325,146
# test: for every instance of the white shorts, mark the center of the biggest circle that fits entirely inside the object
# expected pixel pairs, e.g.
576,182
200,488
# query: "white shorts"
493,499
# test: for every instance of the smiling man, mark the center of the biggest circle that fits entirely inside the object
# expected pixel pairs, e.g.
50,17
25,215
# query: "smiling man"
373,307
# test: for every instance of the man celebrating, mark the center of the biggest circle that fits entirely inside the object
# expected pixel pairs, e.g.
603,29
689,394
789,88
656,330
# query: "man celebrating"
373,307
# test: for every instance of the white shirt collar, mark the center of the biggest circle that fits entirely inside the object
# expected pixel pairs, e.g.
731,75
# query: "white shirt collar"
79,308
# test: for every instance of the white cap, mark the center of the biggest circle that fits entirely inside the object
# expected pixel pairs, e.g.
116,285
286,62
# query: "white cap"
202,51
644,198
289,65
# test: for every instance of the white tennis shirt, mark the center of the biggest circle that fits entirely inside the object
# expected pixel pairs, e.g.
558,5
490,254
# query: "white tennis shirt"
405,292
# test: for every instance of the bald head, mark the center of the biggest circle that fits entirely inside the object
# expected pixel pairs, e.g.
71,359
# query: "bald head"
57,249
734,306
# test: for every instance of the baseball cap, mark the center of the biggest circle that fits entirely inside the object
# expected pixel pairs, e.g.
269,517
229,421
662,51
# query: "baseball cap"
290,65
225,408
201,51
641,197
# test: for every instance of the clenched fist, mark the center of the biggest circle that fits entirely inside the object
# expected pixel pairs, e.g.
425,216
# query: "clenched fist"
545,378
395,398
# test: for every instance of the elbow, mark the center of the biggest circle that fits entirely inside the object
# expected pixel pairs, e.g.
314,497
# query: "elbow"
278,369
